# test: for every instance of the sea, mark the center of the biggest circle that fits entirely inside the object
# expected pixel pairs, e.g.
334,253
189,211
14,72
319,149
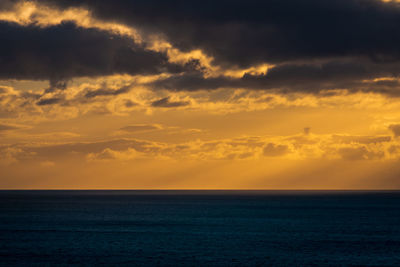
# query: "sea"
199,228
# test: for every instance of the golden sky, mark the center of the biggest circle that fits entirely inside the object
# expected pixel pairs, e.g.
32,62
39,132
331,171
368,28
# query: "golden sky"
108,96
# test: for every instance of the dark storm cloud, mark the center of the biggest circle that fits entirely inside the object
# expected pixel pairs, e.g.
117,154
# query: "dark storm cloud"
87,96
315,44
352,74
195,81
64,51
254,31
167,103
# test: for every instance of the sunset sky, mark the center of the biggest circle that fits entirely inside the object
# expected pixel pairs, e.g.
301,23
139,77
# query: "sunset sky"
155,94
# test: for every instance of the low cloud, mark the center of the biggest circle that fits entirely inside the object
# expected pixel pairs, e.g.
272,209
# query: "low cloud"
129,103
104,91
348,139
359,153
49,101
395,128
8,127
47,164
273,150
141,128
166,102
110,155
296,147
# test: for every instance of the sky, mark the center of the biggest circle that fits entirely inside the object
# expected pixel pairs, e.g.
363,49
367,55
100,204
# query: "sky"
155,94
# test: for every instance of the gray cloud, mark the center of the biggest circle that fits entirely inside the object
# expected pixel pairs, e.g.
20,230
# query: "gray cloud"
316,45
49,101
351,74
129,103
108,92
58,53
7,4
395,128
250,32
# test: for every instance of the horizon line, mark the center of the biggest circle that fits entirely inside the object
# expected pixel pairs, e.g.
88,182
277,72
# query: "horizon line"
141,189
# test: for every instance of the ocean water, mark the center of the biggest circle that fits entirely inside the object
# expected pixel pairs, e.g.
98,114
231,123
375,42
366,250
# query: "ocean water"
200,228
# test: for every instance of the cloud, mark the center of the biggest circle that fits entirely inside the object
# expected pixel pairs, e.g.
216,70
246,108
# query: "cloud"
77,150
47,164
8,127
296,147
111,95
195,81
104,91
273,150
49,101
308,52
166,102
395,128
7,4
359,153
60,52
9,155
85,95
129,103
352,74
348,139
109,155
249,32
141,128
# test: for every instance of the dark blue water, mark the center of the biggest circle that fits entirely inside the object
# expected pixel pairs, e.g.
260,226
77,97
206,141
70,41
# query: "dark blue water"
200,228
